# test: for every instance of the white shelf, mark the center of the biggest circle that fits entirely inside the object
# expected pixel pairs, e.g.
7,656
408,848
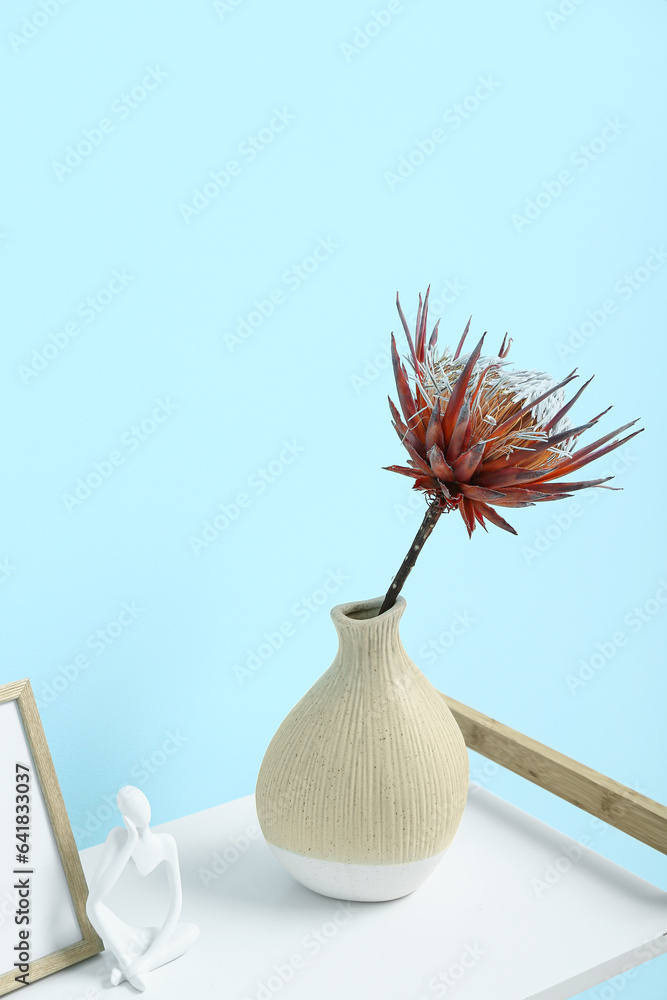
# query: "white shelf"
481,909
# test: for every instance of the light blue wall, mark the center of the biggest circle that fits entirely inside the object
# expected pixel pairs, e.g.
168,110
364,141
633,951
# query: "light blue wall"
156,350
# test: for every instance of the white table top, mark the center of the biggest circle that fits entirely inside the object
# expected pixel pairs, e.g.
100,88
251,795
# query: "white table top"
516,910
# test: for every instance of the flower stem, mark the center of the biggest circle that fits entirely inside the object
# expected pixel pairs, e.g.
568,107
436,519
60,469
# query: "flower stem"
430,517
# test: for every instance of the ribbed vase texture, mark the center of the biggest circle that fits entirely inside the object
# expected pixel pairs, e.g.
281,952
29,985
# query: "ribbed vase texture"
370,767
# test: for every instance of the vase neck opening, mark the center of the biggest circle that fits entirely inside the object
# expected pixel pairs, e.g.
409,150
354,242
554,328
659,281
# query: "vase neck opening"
359,624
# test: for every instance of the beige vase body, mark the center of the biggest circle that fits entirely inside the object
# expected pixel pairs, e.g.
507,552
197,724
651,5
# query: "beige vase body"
363,786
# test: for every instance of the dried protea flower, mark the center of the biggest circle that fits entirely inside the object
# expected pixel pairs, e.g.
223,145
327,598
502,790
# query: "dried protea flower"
480,436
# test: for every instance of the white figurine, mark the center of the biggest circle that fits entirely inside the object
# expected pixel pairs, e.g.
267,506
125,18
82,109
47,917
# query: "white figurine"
138,950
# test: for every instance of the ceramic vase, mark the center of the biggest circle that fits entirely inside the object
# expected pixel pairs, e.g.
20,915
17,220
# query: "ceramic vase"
363,786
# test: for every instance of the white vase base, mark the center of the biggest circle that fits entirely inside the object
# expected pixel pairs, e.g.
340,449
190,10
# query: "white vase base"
359,883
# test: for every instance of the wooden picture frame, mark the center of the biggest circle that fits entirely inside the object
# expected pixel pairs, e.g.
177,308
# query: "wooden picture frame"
46,809
608,800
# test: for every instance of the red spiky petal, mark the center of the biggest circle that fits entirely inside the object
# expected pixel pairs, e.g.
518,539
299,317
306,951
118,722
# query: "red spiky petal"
466,466
440,465
467,509
494,517
457,398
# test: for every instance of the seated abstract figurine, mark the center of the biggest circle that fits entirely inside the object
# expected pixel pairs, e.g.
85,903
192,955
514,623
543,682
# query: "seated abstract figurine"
138,950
